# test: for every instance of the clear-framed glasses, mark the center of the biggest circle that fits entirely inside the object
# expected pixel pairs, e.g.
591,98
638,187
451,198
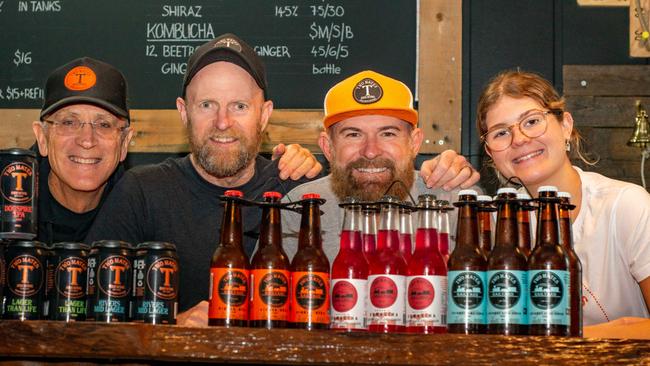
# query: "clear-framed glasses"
71,126
531,125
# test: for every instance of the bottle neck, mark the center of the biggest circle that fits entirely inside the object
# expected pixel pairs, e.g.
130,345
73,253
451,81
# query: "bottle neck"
566,235
506,228
310,235
352,229
271,228
231,226
547,227
467,228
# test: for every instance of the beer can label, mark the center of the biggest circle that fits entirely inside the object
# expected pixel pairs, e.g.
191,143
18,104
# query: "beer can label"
156,289
310,297
25,285
386,297
270,294
113,284
70,283
507,297
18,187
426,301
548,294
466,297
229,294
348,304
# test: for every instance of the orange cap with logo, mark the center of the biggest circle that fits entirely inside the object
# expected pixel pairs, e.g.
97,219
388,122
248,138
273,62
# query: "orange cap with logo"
369,92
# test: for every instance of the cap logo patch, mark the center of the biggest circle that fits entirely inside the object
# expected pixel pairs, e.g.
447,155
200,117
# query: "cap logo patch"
367,91
228,43
80,78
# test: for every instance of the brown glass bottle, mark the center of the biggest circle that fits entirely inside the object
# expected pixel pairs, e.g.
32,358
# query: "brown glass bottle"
506,276
466,277
229,270
485,209
575,266
548,272
310,271
523,223
270,275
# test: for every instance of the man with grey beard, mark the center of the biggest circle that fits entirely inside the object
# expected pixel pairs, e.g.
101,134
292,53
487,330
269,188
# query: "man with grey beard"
224,108
371,139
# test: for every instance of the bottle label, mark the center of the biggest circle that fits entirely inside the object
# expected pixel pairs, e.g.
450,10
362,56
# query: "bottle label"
229,294
466,297
310,297
426,301
386,297
548,297
270,294
507,297
348,305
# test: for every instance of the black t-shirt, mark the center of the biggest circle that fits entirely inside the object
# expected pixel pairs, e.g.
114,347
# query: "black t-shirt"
171,202
57,223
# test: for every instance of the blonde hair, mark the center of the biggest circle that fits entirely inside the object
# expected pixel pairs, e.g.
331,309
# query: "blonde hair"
520,84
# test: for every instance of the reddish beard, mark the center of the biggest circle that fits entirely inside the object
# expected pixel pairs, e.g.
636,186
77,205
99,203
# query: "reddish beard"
345,184
224,163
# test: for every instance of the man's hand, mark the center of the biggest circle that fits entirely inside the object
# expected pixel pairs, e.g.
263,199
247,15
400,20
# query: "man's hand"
449,171
197,316
296,162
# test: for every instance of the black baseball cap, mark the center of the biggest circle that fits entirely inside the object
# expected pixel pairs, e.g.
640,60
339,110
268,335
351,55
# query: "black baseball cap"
86,80
230,48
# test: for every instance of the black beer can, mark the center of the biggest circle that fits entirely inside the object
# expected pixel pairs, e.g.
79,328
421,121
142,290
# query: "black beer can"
156,278
48,252
110,271
67,297
25,280
19,193
3,275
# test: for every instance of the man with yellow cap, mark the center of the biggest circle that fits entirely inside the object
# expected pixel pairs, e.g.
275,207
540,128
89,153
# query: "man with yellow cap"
371,139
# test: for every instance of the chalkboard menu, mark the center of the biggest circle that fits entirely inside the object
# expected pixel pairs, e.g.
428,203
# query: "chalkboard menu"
307,45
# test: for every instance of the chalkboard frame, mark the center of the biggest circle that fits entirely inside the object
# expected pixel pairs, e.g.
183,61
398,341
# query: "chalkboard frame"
439,91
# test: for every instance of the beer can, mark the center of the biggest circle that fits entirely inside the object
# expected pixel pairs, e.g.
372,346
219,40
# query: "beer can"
26,280
19,193
3,275
67,297
156,277
110,271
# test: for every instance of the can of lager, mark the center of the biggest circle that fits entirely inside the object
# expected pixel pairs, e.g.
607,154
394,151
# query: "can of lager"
156,277
67,298
18,193
110,272
26,280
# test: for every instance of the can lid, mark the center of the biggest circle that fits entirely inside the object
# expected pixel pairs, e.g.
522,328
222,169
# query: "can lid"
157,245
71,246
484,198
233,193
111,244
523,196
307,196
467,192
547,189
564,195
272,194
506,190
388,199
26,244
18,151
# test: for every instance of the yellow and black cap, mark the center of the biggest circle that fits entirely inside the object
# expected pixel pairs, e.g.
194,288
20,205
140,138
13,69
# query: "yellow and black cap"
230,48
86,80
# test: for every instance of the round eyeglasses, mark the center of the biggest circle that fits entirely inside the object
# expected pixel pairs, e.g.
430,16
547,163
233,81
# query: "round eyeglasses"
532,125
71,126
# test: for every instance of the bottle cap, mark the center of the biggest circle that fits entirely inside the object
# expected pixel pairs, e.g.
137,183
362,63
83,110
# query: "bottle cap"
523,196
233,193
307,196
547,189
564,195
467,192
506,190
484,198
272,194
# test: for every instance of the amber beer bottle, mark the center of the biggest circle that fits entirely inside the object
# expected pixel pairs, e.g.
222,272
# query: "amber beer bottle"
485,210
350,274
310,277
229,270
466,277
548,272
523,223
270,273
575,266
506,276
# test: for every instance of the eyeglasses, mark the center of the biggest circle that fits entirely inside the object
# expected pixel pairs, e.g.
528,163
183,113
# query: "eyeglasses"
71,126
532,125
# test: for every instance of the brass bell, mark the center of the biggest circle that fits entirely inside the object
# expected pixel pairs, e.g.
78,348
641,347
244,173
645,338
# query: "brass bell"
641,136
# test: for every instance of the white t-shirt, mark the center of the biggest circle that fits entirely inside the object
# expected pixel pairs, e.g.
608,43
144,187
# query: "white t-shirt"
612,239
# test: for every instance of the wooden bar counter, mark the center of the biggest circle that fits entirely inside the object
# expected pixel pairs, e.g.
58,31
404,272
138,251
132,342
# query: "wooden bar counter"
37,342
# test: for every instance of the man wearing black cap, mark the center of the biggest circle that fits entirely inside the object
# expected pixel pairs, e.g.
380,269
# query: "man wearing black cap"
225,110
82,137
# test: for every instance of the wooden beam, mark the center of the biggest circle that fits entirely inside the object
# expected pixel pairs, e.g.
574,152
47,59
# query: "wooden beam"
607,80
440,74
